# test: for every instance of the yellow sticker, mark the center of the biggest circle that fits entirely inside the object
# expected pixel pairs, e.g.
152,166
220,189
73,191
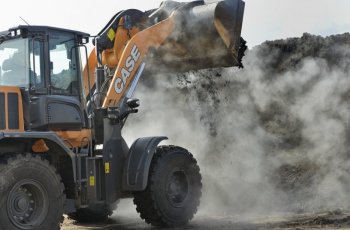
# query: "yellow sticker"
107,167
111,34
92,181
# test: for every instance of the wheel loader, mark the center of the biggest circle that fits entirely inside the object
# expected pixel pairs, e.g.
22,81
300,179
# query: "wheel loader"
61,147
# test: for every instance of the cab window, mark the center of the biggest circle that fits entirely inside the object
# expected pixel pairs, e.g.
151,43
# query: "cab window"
14,67
36,70
63,67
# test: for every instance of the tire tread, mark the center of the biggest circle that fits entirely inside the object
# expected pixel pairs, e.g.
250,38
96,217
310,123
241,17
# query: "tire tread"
13,160
145,201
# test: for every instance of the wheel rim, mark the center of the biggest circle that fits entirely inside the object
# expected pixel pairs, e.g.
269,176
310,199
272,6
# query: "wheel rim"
177,188
27,204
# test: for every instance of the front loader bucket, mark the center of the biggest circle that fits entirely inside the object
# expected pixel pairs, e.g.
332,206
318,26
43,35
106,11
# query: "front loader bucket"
207,35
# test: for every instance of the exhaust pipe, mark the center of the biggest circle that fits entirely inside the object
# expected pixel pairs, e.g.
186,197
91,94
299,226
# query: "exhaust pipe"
207,35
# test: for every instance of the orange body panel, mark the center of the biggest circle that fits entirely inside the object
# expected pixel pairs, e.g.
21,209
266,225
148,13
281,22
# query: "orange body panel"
75,139
111,57
12,89
40,146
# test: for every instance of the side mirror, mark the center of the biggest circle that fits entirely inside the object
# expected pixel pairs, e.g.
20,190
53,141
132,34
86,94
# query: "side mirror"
133,103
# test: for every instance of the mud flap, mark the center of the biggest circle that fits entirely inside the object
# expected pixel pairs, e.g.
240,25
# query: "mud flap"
137,164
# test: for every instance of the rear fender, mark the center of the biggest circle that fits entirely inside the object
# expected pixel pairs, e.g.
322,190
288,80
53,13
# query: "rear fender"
137,164
51,139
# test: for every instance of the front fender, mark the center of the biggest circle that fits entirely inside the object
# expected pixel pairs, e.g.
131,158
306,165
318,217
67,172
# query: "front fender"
137,164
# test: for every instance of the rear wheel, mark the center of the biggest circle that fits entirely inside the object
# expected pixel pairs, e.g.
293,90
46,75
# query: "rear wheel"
174,186
31,194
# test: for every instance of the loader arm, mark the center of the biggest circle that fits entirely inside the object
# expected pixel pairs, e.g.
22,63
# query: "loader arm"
176,37
126,55
132,63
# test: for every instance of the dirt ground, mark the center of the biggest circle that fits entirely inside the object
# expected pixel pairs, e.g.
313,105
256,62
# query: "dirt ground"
126,219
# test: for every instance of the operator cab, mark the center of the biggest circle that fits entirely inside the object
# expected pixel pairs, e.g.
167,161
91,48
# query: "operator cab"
45,63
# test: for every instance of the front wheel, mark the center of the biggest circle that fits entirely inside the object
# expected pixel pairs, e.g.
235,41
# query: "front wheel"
31,194
172,195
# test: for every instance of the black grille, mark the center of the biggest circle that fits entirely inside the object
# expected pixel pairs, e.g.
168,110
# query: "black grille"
2,111
12,100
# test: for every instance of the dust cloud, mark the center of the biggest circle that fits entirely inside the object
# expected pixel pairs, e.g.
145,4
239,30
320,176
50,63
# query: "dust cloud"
270,138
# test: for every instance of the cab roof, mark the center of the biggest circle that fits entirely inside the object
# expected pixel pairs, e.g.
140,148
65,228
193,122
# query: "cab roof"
42,29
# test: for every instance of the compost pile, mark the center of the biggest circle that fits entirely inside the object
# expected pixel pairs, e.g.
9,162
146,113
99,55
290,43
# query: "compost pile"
272,137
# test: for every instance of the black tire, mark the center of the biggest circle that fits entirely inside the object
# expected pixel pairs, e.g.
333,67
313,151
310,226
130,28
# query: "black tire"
31,194
94,213
173,192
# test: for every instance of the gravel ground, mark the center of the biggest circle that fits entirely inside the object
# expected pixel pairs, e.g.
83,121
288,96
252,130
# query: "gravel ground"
126,218
306,221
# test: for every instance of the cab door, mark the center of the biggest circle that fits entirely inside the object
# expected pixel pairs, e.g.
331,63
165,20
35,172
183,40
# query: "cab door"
60,109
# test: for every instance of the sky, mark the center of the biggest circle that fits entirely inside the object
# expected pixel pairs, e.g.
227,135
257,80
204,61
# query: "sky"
263,19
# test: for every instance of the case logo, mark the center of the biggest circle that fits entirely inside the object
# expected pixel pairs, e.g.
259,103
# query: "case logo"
127,69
